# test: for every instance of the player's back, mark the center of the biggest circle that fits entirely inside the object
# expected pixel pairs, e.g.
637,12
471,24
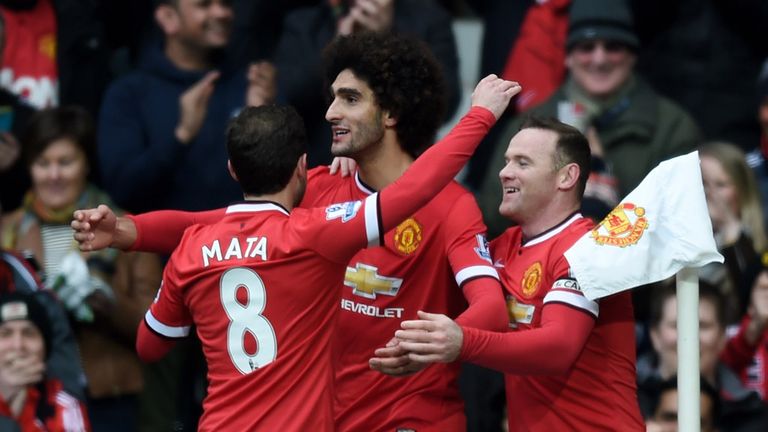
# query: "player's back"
264,303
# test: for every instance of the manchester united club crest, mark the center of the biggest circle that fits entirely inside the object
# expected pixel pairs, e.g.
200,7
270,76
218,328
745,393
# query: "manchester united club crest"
531,280
408,236
624,226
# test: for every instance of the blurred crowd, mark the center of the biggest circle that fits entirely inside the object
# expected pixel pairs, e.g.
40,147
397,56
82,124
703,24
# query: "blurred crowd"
126,103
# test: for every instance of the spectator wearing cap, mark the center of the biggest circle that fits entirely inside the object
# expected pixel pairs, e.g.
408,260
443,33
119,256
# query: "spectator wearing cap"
746,353
630,127
29,400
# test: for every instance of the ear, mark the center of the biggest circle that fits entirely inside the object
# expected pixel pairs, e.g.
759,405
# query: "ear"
232,171
568,61
168,19
389,120
568,176
301,166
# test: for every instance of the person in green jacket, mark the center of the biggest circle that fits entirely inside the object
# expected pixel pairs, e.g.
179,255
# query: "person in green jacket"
631,128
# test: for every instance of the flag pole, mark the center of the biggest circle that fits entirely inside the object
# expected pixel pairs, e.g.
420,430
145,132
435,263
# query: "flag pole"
688,372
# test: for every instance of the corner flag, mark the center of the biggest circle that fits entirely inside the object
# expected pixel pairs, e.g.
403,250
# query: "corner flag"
659,228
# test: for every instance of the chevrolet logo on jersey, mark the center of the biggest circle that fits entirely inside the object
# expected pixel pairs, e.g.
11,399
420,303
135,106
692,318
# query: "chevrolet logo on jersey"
366,282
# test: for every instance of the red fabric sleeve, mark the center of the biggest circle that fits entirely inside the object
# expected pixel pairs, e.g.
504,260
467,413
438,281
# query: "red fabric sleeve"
738,353
550,349
487,309
434,169
150,346
160,231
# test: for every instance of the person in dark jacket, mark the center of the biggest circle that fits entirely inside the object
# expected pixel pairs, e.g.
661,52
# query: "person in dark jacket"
161,129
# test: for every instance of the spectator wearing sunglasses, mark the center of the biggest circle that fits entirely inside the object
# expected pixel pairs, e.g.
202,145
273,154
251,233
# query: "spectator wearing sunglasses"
630,127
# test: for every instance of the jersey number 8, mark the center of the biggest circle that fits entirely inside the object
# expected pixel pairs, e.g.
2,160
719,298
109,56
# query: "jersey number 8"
247,318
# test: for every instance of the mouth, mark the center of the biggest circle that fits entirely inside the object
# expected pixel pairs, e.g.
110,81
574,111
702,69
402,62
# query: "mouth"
510,190
338,132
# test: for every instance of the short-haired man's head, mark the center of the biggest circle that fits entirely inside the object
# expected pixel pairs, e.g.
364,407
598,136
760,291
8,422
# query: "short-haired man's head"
52,124
405,78
571,146
264,145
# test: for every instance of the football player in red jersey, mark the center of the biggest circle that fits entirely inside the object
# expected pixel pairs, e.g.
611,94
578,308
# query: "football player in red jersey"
437,259
570,362
259,314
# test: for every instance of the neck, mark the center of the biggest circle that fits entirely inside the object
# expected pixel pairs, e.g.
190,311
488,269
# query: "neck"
547,218
285,198
186,57
385,165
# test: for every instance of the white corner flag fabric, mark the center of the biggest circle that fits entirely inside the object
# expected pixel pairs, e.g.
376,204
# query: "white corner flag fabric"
659,228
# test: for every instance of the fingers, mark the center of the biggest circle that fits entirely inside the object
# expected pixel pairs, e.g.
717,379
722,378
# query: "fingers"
335,165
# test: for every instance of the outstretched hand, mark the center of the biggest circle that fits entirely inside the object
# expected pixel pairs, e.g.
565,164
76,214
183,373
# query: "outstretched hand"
494,94
94,228
433,338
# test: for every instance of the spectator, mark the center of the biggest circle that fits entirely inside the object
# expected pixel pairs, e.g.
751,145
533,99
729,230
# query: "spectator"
740,408
56,52
665,402
21,274
308,30
747,351
737,217
631,126
105,293
30,400
688,46
161,130
757,157
14,112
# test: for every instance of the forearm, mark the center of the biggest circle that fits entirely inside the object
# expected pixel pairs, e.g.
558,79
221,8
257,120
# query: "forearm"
487,309
550,349
434,169
160,231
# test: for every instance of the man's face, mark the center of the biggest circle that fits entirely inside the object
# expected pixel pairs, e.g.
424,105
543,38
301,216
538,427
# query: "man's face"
204,23
21,339
529,178
357,122
665,416
600,67
711,336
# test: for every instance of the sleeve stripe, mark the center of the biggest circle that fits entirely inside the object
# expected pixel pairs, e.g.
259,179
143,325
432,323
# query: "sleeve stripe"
475,271
372,220
572,298
164,330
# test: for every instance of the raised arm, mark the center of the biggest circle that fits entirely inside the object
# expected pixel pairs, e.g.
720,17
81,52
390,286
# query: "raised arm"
434,169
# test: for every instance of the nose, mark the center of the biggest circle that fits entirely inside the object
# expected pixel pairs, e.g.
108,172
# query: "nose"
505,172
599,54
15,341
221,10
54,172
332,114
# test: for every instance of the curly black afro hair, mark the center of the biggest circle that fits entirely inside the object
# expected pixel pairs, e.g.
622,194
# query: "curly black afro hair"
405,78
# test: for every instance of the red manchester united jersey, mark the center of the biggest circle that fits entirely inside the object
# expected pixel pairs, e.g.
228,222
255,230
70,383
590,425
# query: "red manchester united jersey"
259,286
422,267
534,274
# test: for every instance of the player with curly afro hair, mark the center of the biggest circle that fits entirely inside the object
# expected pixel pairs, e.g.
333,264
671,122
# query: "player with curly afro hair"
405,77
